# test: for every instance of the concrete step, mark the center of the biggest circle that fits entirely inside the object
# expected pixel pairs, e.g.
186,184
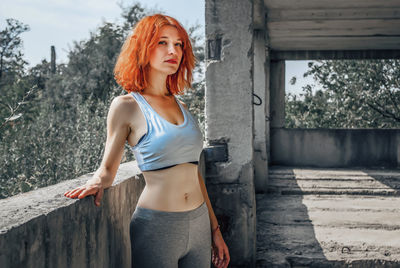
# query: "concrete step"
286,181
311,228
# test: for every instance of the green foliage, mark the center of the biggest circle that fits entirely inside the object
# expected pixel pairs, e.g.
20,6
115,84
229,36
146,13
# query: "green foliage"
62,131
11,56
14,84
91,62
355,94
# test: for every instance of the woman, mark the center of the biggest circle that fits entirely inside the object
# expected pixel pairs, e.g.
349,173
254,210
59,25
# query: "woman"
173,224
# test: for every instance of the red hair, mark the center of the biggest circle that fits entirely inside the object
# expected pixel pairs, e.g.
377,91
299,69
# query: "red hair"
132,66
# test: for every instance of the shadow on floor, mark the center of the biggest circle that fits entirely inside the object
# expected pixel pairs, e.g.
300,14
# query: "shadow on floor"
285,233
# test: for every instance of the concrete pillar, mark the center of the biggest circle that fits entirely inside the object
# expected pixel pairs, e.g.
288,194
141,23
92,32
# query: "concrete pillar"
277,90
260,112
398,149
230,124
268,100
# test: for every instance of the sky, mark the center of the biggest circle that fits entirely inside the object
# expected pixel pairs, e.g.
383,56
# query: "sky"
60,22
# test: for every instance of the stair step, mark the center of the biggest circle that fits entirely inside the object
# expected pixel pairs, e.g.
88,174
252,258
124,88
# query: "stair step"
306,181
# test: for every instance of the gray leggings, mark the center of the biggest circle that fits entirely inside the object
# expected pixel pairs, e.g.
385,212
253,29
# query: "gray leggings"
171,239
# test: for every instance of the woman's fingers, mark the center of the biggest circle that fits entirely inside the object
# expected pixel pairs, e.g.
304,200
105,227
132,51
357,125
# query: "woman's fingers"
75,192
220,257
87,191
98,197
71,192
221,253
227,256
221,262
216,260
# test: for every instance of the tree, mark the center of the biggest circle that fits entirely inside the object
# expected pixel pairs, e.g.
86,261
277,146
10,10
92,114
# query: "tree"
11,56
355,94
14,85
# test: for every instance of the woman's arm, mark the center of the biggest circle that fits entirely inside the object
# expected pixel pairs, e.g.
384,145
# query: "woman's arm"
213,218
117,133
220,251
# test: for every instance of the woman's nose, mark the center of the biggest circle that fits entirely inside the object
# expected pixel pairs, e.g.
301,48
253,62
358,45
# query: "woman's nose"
171,49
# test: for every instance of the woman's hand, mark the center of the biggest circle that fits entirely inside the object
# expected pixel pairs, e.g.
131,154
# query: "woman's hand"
220,252
92,187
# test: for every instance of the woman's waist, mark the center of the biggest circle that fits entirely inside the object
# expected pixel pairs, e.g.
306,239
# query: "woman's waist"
170,198
179,175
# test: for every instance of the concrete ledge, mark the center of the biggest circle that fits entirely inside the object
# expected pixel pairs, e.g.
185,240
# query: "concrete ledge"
335,147
42,228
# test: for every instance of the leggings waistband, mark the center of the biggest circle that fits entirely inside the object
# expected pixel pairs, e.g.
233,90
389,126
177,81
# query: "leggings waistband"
171,215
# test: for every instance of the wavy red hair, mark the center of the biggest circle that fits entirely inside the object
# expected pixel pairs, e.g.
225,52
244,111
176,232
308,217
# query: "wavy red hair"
132,66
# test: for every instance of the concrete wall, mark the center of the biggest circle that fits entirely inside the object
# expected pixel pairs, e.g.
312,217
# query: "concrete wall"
43,228
230,123
335,147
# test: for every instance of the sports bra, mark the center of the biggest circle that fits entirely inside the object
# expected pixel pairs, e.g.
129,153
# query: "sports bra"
165,144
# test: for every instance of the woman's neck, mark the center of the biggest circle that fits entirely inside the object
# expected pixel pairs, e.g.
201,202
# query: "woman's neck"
157,84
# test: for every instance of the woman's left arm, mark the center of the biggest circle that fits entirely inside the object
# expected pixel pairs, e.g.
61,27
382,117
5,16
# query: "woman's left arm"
220,256
220,252
213,218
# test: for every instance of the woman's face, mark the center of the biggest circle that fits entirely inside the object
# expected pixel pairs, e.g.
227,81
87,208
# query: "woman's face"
167,54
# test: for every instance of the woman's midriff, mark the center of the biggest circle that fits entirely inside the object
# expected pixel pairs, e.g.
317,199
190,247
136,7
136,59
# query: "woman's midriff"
173,189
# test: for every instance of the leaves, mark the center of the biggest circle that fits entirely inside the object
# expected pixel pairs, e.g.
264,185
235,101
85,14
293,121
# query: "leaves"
355,94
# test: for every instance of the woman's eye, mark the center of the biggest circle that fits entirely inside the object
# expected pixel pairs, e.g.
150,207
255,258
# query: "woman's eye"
164,43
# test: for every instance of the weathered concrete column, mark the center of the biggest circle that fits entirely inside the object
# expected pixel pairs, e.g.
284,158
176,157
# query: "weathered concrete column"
268,100
398,150
277,90
230,124
260,100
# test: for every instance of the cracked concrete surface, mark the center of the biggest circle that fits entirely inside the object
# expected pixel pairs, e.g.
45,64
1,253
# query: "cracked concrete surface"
315,217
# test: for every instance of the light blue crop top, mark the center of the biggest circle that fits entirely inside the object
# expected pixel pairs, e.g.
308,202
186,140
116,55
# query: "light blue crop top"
165,144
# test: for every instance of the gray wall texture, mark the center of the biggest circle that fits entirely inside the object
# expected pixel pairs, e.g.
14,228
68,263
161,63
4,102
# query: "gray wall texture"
230,123
43,228
335,147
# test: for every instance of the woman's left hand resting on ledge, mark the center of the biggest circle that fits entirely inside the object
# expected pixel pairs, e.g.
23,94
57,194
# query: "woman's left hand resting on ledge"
92,187
117,133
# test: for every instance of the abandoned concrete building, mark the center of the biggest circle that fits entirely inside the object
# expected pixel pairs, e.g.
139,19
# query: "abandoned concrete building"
283,197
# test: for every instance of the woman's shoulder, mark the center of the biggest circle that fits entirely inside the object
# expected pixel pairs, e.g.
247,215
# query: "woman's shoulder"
126,101
124,105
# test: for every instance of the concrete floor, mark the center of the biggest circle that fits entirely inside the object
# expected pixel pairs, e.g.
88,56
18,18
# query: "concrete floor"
313,217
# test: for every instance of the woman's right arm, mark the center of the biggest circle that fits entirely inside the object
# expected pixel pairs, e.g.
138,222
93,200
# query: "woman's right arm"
117,133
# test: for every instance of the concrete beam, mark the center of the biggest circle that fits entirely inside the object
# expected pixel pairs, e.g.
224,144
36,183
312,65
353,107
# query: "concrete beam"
335,54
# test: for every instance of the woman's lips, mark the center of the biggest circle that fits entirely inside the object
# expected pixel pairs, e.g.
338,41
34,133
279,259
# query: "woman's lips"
171,61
